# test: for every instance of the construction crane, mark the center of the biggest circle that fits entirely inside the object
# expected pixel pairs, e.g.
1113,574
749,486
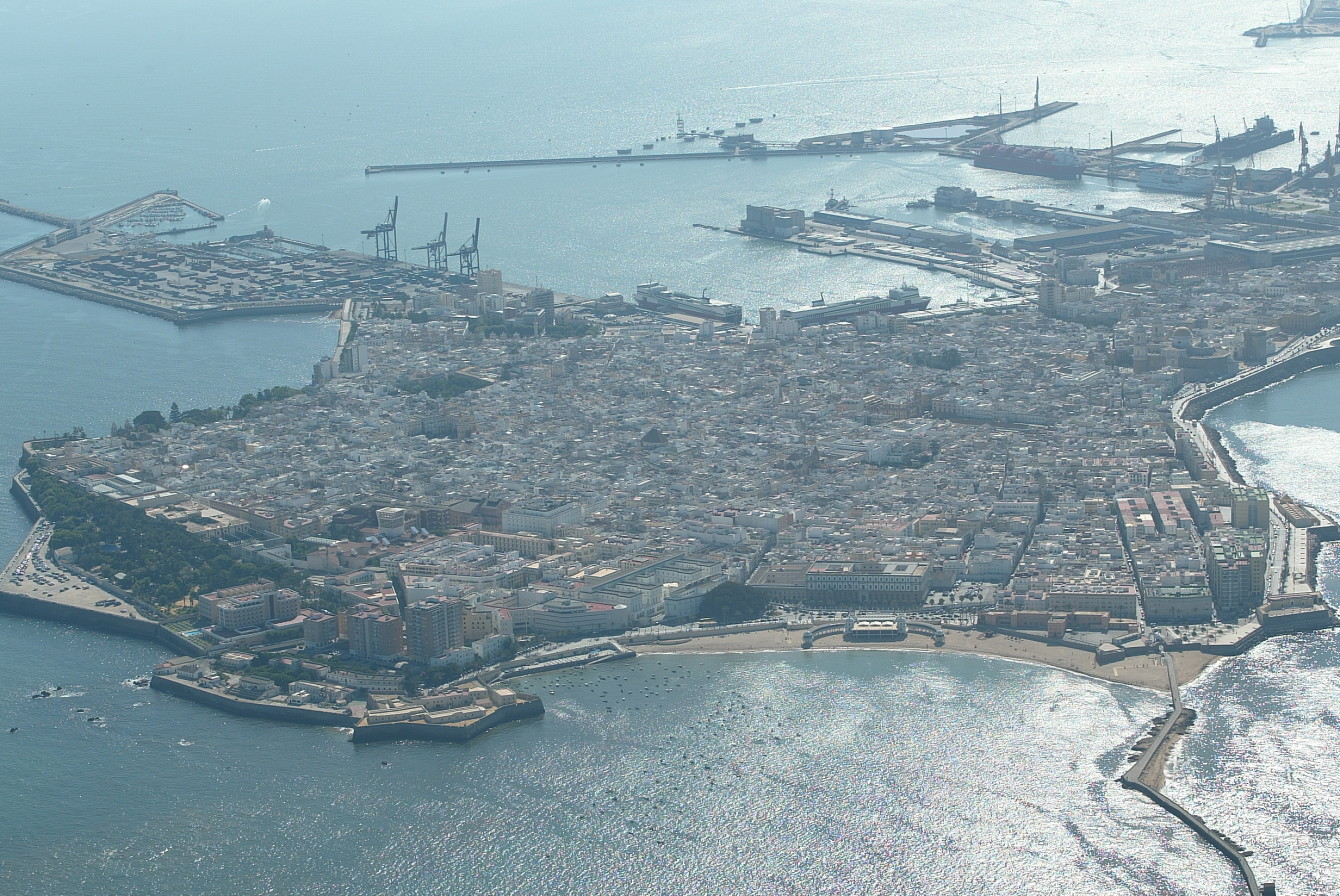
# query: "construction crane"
437,248
467,256
384,235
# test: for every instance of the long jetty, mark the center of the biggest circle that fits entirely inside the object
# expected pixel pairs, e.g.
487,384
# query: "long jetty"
893,138
1136,778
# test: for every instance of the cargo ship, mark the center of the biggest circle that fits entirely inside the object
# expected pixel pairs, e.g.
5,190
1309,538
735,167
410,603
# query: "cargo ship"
898,301
1261,136
1061,164
658,298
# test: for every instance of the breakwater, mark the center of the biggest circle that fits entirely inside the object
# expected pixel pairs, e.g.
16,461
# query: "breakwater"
33,214
916,137
1197,406
529,708
273,712
1141,777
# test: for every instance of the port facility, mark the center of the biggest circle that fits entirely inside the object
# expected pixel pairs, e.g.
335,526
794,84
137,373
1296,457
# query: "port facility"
123,258
926,136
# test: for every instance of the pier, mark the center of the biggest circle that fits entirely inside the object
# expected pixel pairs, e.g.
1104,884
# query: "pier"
917,137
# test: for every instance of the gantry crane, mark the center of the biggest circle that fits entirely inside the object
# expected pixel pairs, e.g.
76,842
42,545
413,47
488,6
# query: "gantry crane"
384,235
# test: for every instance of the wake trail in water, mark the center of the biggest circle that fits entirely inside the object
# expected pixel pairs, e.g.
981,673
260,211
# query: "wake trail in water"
259,206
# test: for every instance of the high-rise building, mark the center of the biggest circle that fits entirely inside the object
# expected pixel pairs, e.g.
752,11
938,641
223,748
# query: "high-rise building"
374,634
434,626
1237,572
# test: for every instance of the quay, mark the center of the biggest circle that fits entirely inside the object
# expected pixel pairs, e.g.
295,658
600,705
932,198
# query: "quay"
837,233
917,137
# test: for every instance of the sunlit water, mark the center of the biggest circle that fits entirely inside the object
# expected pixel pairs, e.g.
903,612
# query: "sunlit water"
833,773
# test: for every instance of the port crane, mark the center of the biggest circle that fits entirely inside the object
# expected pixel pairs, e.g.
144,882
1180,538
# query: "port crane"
467,256
384,236
437,248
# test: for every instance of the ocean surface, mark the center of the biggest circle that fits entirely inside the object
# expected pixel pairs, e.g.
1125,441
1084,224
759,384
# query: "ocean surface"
826,772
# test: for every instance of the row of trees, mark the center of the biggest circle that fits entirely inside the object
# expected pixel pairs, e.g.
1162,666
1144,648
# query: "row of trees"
154,420
158,561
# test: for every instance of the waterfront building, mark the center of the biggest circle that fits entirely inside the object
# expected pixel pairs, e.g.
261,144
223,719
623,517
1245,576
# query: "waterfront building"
1237,567
1179,605
1120,599
249,606
564,617
319,629
768,221
866,584
1295,612
1250,508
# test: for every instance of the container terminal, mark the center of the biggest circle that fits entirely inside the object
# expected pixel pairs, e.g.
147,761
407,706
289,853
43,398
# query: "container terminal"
122,258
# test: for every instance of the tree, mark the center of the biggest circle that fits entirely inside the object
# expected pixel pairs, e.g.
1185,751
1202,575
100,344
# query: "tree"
151,420
733,602
174,413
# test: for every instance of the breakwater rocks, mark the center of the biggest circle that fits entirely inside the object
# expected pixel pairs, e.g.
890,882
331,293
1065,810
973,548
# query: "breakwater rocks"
526,707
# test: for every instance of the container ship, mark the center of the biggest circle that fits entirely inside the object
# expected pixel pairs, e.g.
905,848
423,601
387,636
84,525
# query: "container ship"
1061,164
1260,136
898,301
658,298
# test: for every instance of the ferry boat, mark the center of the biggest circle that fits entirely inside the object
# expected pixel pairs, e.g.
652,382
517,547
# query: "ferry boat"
655,297
898,301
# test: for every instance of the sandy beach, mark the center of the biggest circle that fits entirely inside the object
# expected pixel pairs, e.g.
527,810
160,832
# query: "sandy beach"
1141,671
